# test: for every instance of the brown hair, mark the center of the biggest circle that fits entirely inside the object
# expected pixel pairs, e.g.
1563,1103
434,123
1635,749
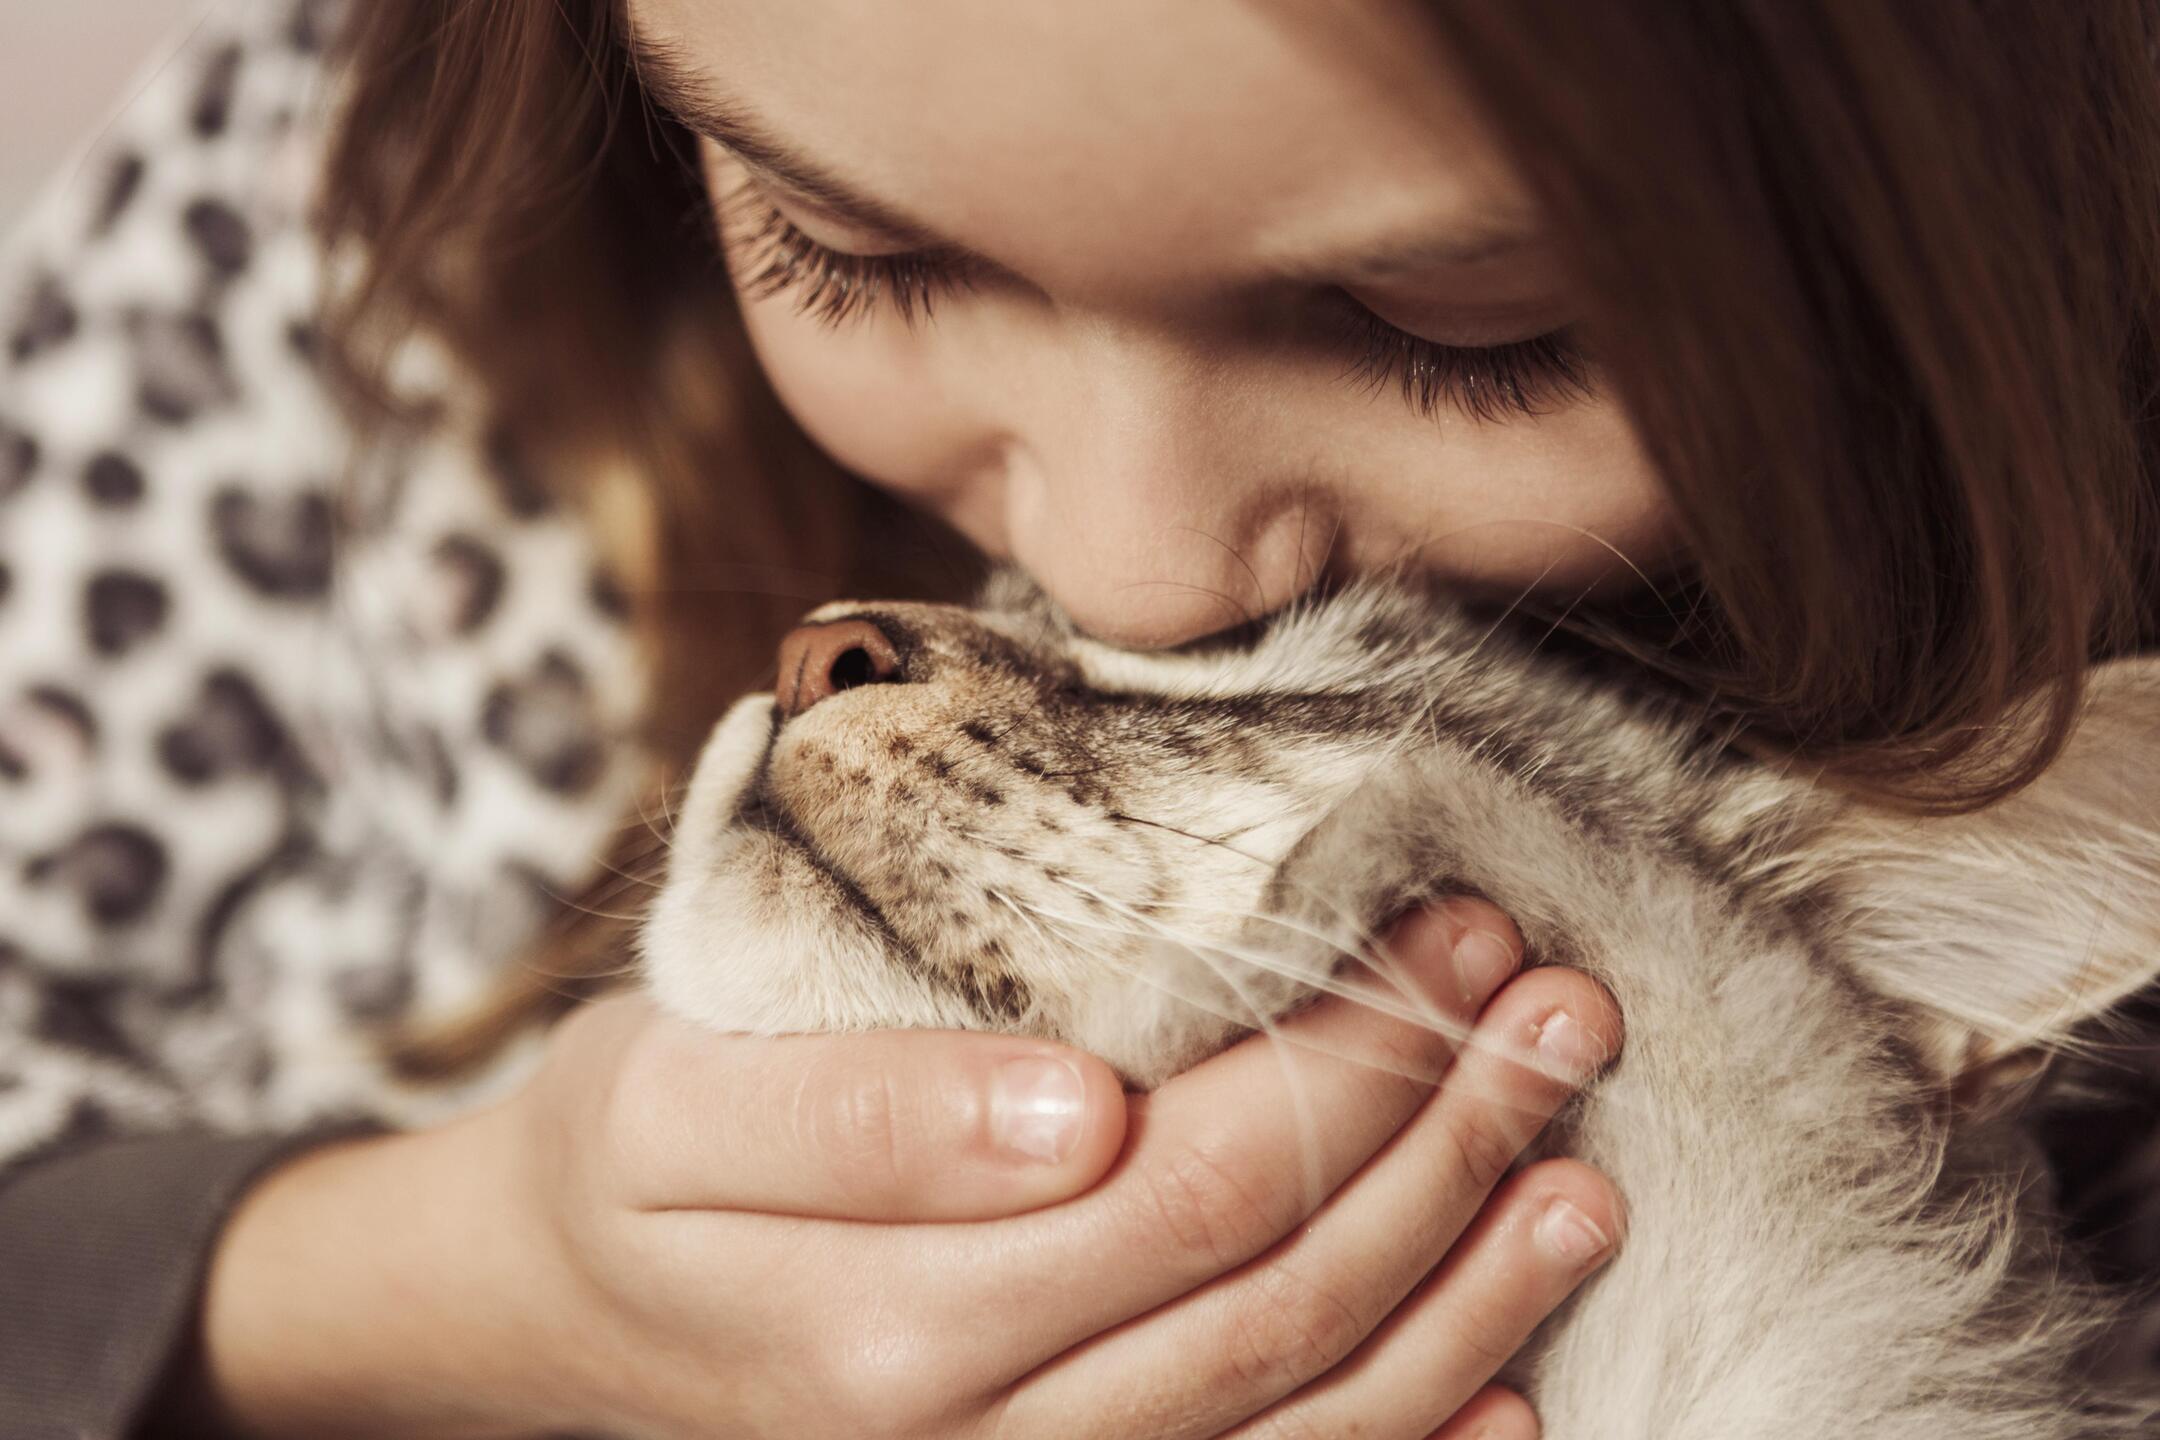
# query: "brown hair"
1877,281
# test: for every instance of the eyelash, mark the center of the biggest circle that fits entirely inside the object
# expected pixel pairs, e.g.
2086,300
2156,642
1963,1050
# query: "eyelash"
1520,378
831,286
1485,382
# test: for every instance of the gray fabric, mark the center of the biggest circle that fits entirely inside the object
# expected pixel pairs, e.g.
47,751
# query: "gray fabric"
102,1257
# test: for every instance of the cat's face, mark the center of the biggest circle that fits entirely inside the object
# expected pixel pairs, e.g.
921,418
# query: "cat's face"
1024,830
1144,854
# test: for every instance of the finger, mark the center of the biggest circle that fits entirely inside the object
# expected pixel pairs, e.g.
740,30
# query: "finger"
1211,1359
1547,1230
886,1126
1225,1159
1492,1414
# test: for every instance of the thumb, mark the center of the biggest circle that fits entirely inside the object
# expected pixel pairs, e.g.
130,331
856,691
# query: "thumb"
890,1125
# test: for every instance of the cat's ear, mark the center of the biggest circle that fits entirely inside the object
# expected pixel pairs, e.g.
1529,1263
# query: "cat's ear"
2013,924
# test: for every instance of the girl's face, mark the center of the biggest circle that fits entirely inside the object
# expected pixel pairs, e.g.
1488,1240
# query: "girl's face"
1179,306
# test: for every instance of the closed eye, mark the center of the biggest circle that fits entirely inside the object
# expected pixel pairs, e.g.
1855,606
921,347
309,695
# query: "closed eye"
772,257
1486,382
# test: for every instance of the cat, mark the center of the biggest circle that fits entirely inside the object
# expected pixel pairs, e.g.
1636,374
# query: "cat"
979,818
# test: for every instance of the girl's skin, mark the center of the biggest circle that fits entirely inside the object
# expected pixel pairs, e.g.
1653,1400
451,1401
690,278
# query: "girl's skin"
1171,215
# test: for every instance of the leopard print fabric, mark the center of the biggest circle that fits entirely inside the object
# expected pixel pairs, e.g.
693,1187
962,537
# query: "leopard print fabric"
296,736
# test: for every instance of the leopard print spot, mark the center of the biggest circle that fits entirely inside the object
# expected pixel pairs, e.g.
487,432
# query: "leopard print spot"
436,763
122,182
279,546
181,368
546,721
123,608
374,993
212,109
18,459
117,870
70,709
471,577
313,23
78,1015
48,320
220,236
113,479
230,730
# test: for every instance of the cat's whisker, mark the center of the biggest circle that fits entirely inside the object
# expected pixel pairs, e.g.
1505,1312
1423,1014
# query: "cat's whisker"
1242,616
670,797
1218,841
1254,1017
1259,590
645,817
1406,1005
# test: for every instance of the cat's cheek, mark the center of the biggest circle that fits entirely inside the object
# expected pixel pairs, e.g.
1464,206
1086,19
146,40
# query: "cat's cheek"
748,934
756,944
725,770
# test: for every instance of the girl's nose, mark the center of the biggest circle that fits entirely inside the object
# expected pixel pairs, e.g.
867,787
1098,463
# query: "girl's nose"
1142,557
1151,505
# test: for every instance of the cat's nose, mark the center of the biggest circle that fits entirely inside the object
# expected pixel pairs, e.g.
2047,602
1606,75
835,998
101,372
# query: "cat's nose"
817,662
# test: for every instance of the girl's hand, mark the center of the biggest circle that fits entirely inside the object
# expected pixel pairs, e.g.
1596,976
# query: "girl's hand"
663,1235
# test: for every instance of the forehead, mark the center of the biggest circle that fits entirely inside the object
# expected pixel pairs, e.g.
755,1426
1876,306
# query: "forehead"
1044,132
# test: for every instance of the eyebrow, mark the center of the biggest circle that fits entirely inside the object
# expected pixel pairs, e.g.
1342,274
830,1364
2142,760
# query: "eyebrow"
670,83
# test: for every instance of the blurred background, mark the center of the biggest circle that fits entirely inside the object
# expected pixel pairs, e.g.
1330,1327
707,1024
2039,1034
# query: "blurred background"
66,65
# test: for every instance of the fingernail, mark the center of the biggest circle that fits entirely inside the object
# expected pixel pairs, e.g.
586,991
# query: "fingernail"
1483,963
1570,1236
1036,1108
1566,1051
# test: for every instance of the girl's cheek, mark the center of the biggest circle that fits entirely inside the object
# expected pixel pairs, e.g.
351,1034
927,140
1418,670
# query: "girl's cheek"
1557,504
1553,506
872,398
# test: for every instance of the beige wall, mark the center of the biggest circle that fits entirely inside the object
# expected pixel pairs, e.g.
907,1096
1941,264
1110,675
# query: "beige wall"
65,65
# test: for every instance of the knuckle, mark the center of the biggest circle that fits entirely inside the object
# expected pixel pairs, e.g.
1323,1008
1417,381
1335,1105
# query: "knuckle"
1484,1150
1481,1350
1293,1330
1507,1416
892,1379
1293,1422
1418,1051
625,1147
1484,1337
857,1121
1209,1213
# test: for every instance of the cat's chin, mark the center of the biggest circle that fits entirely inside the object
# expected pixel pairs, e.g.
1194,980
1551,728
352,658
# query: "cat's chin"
759,932
751,933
